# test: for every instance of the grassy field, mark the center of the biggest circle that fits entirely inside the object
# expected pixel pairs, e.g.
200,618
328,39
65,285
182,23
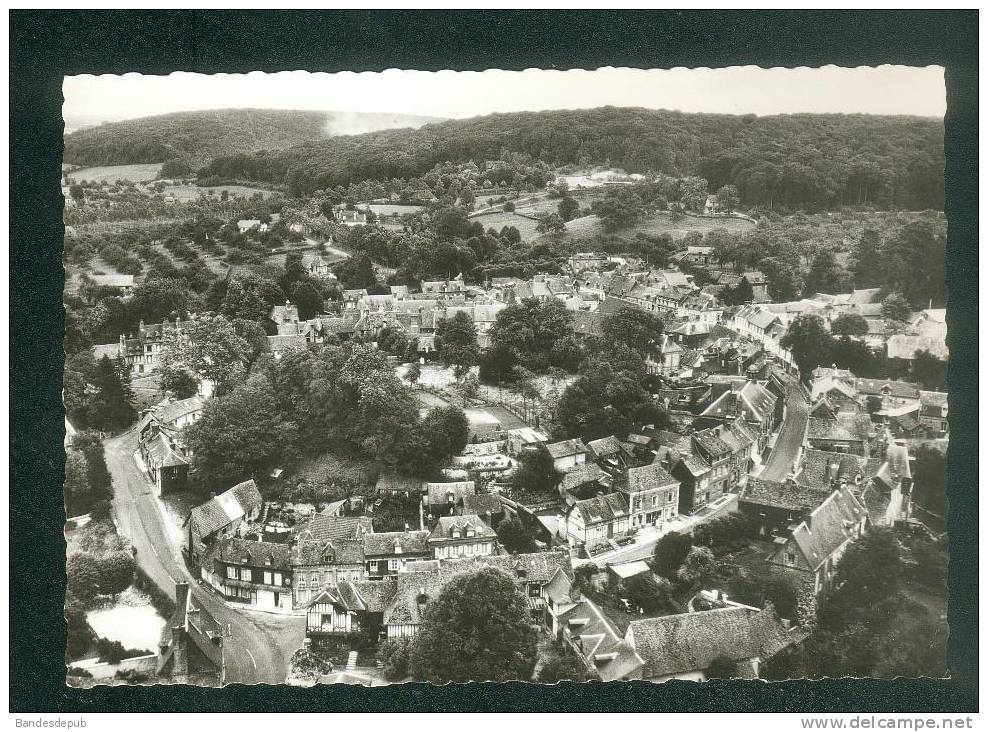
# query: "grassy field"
525,226
192,193
658,224
139,173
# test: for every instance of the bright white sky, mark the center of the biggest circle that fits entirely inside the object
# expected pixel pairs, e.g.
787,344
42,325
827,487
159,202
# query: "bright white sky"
737,90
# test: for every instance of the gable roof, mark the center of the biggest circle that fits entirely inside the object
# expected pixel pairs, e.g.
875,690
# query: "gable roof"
385,544
446,525
605,446
649,477
785,495
599,642
222,510
339,551
322,528
899,389
821,469
602,509
566,448
173,411
586,473
829,526
251,553
752,401
438,494
678,644
482,503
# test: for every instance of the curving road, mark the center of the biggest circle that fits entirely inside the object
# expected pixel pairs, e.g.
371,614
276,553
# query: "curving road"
257,647
782,460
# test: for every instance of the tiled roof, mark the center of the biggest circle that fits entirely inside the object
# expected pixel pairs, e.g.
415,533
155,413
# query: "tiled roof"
829,429
224,509
601,509
786,495
696,465
340,551
174,411
332,528
678,644
605,446
821,469
482,503
752,401
587,473
899,389
535,567
649,477
437,494
566,448
386,543
710,442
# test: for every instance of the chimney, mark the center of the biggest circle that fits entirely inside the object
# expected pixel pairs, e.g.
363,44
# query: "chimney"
180,653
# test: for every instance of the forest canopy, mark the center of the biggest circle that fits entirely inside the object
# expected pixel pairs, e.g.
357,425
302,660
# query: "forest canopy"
801,161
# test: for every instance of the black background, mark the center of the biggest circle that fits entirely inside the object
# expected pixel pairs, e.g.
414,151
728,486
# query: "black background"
45,45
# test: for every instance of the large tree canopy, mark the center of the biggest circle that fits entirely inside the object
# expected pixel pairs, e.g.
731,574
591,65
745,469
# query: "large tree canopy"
477,629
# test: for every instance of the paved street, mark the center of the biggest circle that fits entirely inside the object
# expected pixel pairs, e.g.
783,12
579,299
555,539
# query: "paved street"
259,646
790,439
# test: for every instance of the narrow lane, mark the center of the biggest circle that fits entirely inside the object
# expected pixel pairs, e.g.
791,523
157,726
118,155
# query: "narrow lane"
258,647
790,439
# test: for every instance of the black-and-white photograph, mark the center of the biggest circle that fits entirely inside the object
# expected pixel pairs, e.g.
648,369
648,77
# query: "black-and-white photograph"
592,375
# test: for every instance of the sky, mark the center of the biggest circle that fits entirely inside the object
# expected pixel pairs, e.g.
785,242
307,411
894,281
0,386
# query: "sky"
736,90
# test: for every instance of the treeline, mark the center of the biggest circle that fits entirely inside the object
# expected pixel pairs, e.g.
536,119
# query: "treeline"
782,162
192,136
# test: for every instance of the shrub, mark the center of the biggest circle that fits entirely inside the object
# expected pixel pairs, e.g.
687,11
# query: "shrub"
160,600
670,552
116,572
393,655
79,673
114,651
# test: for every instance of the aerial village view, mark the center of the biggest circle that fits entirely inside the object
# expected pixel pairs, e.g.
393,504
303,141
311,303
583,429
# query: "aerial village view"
592,394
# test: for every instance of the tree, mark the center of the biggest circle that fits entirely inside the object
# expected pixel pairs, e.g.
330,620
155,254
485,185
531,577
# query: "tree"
211,348
82,575
477,629
393,341
251,297
116,572
240,433
536,473
77,487
179,382
113,405
670,552
456,340
650,595
550,223
618,209
525,334
636,328
929,371
562,664
697,566
824,275
738,295
511,532
867,264
930,480
693,193
414,373
567,209
508,207
728,198
809,342
896,307
849,324
77,193
307,298
393,655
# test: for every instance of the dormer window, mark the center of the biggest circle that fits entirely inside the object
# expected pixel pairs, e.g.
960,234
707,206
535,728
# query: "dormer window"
455,533
471,531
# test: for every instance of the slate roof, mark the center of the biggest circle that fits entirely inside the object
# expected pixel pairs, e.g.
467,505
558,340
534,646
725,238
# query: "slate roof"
566,448
280,342
786,495
322,528
830,429
711,443
696,465
447,524
599,642
602,509
828,527
534,567
250,553
679,644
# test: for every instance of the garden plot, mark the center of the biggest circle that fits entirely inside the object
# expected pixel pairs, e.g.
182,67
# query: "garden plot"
132,621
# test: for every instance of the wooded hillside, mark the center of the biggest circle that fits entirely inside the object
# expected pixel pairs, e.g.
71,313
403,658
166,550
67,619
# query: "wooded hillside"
782,162
197,137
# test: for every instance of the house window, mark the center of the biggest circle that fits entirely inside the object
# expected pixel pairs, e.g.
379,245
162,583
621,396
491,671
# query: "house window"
301,582
231,572
267,578
277,578
394,565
